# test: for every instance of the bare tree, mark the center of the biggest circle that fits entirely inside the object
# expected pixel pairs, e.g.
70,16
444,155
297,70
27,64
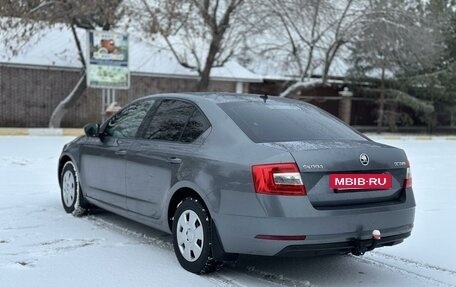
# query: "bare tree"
304,36
23,19
201,34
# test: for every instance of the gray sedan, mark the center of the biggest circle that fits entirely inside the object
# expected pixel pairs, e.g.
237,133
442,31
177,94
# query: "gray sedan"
231,174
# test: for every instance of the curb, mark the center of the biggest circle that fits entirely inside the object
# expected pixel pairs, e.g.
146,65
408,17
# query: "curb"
40,132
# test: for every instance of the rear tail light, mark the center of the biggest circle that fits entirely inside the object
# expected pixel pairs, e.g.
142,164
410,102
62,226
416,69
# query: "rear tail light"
279,178
408,177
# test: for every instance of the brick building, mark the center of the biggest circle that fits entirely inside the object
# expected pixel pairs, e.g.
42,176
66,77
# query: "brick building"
45,71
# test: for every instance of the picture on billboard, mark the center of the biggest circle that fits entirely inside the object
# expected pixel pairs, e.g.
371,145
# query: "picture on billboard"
108,60
108,76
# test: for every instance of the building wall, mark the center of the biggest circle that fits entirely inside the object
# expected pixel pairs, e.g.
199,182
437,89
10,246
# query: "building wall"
28,96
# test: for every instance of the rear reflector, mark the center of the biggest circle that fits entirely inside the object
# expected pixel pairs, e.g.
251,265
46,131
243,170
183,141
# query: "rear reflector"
279,179
281,237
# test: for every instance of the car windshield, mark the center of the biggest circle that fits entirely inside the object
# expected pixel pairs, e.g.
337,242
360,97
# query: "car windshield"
281,121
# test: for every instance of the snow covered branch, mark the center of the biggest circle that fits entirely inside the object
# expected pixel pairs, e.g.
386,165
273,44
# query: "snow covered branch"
300,86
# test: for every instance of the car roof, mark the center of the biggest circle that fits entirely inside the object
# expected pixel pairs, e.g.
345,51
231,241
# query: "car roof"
218,97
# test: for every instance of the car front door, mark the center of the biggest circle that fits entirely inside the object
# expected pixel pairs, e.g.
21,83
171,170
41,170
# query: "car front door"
156,157
103,158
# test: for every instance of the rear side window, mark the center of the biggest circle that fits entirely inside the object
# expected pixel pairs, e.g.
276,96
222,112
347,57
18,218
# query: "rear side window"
277,121
197,124
169,120
176,120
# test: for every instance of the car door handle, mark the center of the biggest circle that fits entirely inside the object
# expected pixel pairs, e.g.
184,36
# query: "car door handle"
174,160
121,152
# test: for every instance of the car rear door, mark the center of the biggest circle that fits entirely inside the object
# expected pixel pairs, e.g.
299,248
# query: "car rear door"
154,161
103,158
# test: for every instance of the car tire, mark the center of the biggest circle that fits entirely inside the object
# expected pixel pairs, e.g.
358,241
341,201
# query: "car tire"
192,237
73,200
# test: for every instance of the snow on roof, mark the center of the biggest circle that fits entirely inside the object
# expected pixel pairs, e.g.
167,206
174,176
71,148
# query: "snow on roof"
55,47
277,65
146,58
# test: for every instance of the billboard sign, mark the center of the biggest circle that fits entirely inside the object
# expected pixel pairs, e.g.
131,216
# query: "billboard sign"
108,60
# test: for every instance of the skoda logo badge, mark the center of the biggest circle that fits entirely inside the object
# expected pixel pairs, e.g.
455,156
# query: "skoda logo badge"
364,159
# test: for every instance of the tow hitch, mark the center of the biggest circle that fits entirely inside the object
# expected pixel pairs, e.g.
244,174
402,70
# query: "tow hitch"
362,247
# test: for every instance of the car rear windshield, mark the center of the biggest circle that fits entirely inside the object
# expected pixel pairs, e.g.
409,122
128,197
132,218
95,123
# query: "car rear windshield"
280,121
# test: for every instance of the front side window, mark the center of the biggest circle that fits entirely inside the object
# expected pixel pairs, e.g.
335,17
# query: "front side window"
125,124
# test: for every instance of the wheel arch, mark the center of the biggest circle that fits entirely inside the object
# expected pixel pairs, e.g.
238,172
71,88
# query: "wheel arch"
217,249
177,197
64,158
62,161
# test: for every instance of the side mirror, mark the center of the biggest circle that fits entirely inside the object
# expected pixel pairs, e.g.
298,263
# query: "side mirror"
92,130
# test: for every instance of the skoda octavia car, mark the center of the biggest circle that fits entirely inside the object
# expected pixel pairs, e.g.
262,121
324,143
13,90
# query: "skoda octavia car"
231,174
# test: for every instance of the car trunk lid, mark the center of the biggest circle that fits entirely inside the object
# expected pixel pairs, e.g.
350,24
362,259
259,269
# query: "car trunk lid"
318,159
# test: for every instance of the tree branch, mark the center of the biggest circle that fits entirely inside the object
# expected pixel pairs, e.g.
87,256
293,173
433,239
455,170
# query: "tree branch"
178,58
78,45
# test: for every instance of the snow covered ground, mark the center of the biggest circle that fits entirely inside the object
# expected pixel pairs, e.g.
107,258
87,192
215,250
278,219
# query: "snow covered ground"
41,245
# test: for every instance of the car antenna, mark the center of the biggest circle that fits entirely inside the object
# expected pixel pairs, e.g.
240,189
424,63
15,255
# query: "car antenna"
264,97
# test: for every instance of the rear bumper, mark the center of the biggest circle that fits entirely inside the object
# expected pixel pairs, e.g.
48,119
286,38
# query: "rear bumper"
325,231
339,247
